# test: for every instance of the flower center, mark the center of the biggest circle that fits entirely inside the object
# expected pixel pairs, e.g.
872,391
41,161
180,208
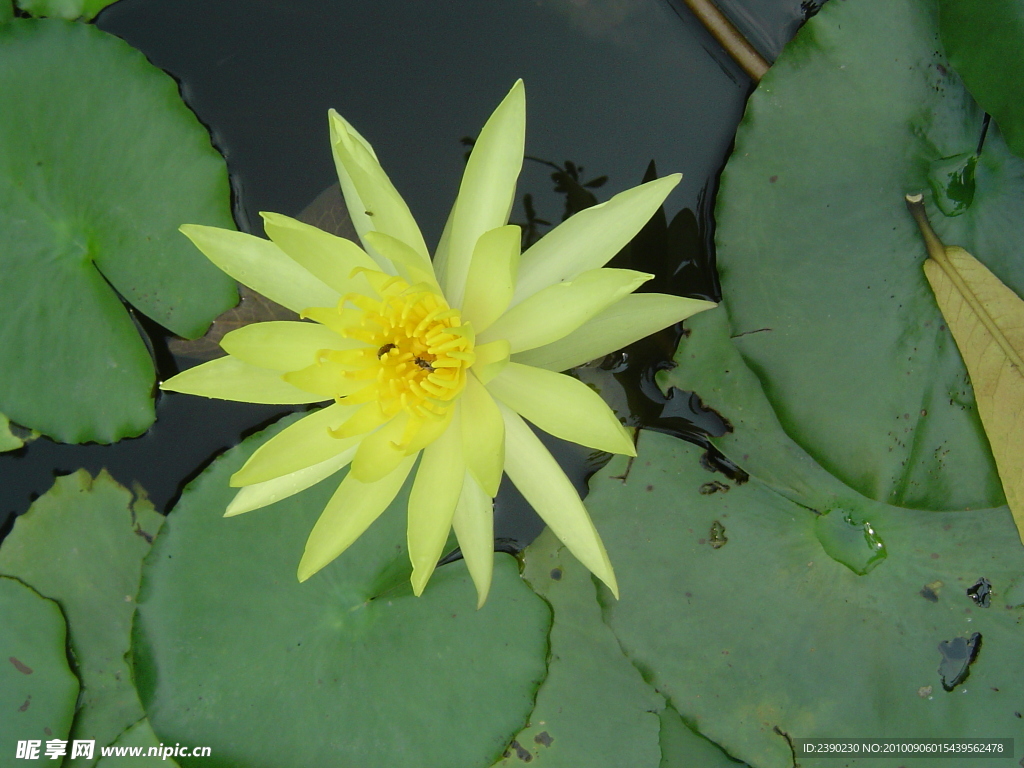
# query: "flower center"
417,349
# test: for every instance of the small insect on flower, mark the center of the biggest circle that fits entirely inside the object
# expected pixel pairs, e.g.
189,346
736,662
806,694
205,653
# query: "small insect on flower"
434,364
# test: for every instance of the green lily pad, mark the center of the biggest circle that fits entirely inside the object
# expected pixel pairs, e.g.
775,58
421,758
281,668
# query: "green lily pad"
90,202
985,42
593,709
822,266
65,9
348,668
82,544
681,747
738,615
37,688
134,744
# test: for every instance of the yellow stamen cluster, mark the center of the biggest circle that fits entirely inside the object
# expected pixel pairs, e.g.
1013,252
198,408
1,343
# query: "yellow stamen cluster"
418,349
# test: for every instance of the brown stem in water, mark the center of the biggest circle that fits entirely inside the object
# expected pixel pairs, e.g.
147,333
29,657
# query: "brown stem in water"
730,38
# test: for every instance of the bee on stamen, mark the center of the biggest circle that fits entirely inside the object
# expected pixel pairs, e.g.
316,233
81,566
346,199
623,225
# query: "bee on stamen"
426,366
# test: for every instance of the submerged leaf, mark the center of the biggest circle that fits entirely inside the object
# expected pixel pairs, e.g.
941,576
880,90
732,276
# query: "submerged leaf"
987,321
251,308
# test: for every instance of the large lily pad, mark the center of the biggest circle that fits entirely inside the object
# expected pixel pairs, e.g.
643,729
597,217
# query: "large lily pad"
134,744
348,668
82,544
593,709
100,162
821,264
37,689
985,41
754,633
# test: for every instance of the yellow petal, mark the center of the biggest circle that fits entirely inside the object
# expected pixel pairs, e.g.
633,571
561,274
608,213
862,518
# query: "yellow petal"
351,510
542,482
330,258
373,202
435,492
262,494
441,252
491,358
987,321
413,266
562,406
483,435
589,239
630,318
227,378
492,276
302,444
381,451
474,526
429,430
282,345
364,419
488,187
560,309
325,378
262,266
338,320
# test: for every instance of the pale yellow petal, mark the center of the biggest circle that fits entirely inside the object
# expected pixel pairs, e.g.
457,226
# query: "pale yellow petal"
413,266
429,430
262,266
562,406
474,526
483,435
365,418
630,318
330,258
435,492
302,444
492,276
373,202
488,187
326,378
282,345
338,320
380,451
228,378
490,359
560,309
544,485
263,494
589,239
351,510
441,252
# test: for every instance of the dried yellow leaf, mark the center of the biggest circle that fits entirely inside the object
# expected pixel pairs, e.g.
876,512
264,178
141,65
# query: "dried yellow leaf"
987,321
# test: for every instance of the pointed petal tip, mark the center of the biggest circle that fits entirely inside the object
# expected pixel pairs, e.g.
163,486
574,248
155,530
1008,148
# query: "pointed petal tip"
419,583
306,569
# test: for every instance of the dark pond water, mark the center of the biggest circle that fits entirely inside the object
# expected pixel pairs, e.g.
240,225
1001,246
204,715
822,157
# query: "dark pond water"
612,86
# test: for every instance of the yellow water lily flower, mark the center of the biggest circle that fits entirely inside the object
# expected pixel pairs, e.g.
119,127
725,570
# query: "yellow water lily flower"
439,361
